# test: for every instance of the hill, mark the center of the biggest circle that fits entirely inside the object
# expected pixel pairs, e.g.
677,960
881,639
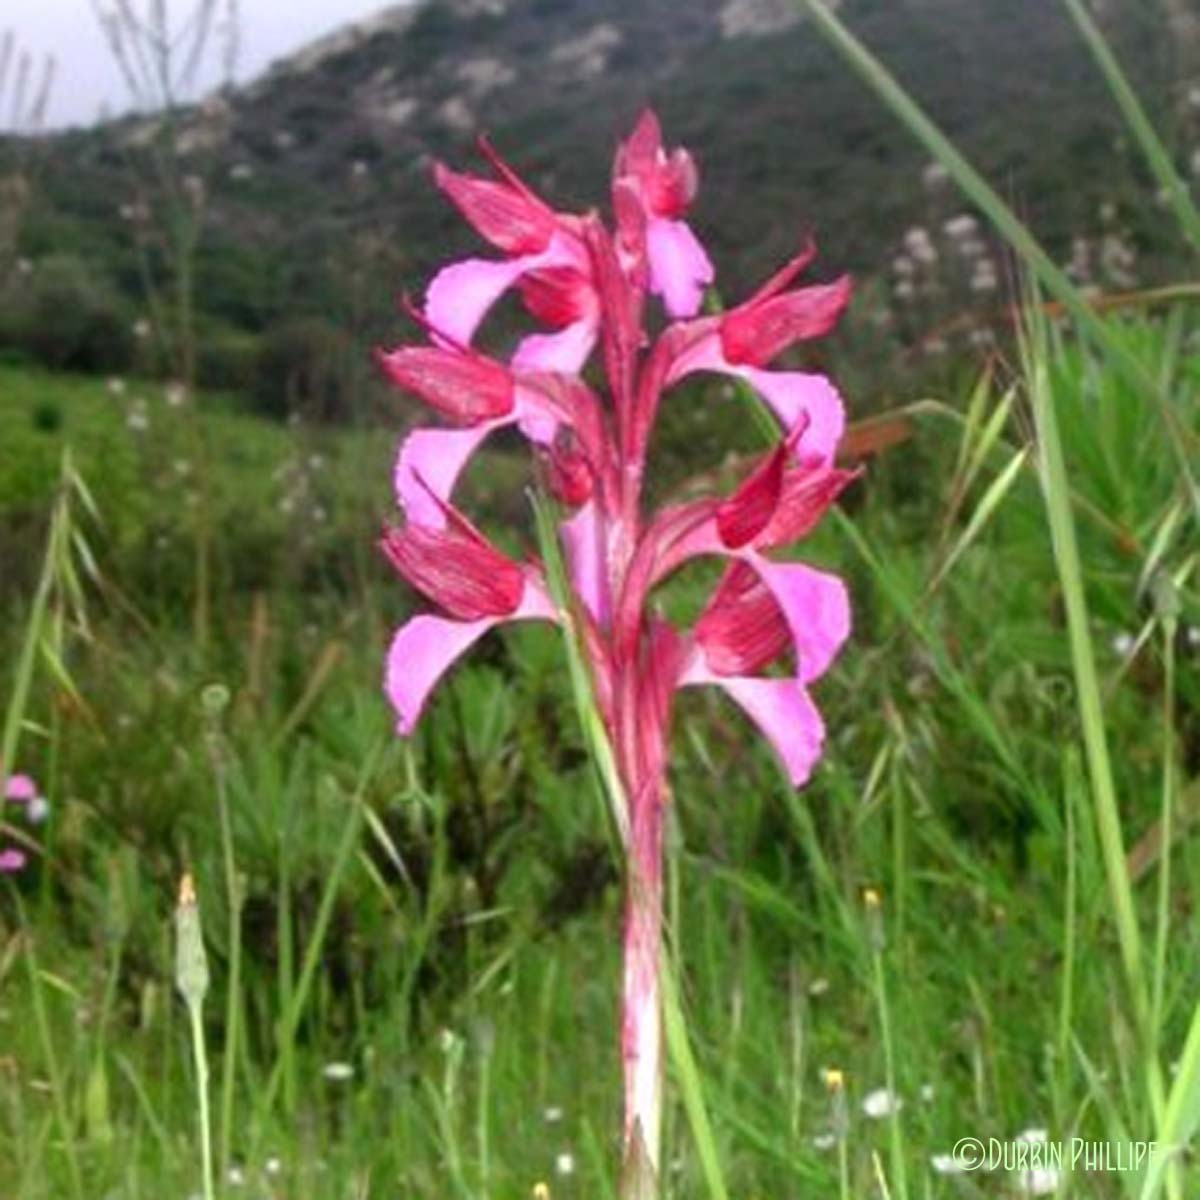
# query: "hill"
316,177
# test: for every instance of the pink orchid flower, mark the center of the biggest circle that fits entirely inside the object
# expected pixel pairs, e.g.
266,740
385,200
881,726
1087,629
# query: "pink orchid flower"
18,789
771,627
547,259
651,192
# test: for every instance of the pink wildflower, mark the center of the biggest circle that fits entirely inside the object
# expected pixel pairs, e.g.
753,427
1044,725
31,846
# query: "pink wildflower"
770,629
19,789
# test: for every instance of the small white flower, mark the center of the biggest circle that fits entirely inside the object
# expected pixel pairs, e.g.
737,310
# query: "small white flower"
961,227
945,1164
819,986
115,386
273,1166
237,1177
37,810
934,175
138,421
338,1072
1122,644
176,394
141,329
1193,635
881,1103
927,1093
824,1141
564,1164
552,1115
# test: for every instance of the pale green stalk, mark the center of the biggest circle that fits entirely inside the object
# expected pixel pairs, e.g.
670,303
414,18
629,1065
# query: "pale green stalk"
1169,621
876,940
233,997
200,1059
1070,918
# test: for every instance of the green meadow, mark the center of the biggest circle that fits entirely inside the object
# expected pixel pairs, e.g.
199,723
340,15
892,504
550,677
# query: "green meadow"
412,944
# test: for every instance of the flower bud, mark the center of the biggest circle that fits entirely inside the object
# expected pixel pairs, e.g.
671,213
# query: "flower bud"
191,961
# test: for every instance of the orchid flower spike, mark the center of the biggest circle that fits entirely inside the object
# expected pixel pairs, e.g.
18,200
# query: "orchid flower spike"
771,628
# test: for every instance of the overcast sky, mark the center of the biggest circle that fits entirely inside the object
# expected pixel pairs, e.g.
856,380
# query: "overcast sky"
87,78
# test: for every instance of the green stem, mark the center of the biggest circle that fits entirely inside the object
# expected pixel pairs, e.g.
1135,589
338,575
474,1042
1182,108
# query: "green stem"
233,997
200,1058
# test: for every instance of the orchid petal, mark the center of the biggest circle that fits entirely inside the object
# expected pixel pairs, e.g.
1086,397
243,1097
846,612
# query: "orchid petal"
781,708
795,393
426,647
565,351
430,461
680,268
583,538
816,608
461,294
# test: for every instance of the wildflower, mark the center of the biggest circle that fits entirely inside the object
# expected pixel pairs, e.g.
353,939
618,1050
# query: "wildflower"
552,1115
927,1093
1123,644
824,1141
338,1072
961,228
651,192
591,287
176,394
21,790
881,1103
919,246
115,386
564,1164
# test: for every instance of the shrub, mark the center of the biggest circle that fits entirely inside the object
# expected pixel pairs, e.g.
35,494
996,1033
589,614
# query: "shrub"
307,366
69,318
